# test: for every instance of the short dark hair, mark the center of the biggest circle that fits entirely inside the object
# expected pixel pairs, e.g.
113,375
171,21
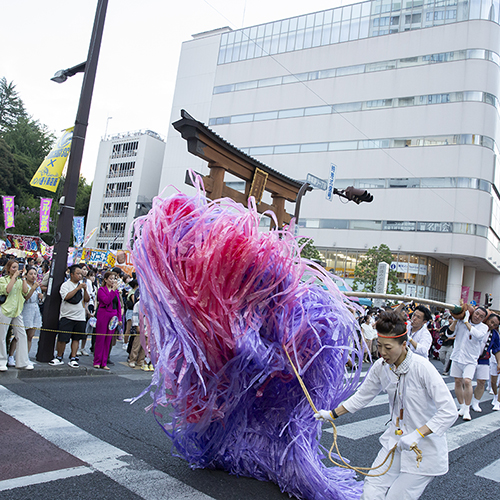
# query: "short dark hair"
425,310
73,268
481,308
133,283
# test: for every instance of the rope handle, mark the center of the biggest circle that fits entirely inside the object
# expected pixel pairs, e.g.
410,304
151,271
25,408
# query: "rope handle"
345,465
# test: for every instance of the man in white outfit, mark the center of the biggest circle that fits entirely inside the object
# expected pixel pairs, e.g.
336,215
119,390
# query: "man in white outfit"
421,411
419,337
469,341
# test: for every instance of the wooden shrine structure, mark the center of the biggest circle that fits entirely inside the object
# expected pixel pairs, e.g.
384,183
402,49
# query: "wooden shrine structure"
223,157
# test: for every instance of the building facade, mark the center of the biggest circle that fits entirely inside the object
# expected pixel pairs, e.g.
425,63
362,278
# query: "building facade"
127,173
401,96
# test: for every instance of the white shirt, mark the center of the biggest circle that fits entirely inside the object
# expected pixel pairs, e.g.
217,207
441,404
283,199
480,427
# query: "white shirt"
368,331
426,401
76,312
468,346
423,339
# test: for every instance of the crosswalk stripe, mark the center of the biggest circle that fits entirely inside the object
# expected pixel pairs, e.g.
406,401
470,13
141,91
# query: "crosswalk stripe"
468,432
44,477
492,471
122,467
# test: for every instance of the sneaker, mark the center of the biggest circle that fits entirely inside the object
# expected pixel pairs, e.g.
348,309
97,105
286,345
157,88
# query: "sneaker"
11,361
476,408
150,367
27,367
145,367
73,363
445,374
56,362
79,353
124,346
466,415
461,410
132,364
3,368
496,406
83,352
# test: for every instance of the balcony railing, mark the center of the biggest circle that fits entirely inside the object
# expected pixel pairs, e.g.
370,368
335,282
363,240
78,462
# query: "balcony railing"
123,154
115,213
118,194
128,173
112,234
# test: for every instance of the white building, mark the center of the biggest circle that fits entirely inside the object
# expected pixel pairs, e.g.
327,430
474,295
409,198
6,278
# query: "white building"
128,172
401,96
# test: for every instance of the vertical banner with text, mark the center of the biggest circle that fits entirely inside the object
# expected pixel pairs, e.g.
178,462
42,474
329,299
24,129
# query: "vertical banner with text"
49,172
78,230
8,211
45,204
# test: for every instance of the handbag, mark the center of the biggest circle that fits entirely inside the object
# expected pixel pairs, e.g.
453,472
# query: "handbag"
3,298
76,298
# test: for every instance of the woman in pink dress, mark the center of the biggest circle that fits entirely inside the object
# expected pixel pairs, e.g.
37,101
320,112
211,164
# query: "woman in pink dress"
109,305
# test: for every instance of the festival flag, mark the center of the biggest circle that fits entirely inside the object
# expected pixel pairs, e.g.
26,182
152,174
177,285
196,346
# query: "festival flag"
45,204
8,211
49,172
78,230
89,236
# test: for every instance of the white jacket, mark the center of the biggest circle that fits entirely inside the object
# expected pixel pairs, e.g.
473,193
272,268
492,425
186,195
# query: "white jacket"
426,401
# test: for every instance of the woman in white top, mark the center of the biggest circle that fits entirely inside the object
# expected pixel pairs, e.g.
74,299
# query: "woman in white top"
421,411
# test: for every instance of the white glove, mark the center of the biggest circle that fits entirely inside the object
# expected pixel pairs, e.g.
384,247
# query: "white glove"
466,317
324,416
407,440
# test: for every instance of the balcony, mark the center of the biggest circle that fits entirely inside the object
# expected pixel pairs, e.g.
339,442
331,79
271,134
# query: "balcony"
112,234
114,175
118,194
115,213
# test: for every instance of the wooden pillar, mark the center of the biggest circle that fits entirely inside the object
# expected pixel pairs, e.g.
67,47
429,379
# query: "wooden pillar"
217,175
279,210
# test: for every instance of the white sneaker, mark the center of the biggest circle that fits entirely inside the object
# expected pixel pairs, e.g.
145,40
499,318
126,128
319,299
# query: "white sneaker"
56,362
466,415
124,346
496,406
3,368
27,367
79,353
84,353
461,410
475,405
11,361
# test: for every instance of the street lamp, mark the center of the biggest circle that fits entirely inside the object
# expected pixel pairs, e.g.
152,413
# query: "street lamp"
67,208
62,75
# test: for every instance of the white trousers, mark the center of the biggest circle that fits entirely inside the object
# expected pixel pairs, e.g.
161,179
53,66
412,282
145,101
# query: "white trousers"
22,359
394,485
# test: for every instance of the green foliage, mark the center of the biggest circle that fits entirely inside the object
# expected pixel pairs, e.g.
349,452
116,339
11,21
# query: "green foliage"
366,271
24,143
309,251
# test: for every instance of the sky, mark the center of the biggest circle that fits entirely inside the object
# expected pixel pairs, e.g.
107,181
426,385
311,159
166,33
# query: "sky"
138,60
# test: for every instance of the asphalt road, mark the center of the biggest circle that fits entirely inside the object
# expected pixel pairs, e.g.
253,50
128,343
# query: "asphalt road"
94,406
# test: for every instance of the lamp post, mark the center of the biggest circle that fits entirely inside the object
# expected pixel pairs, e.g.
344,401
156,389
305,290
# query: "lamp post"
63,232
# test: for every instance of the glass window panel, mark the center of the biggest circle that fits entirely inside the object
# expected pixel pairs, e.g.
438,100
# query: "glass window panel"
222,89
291,113
276,27
314,147
351,70
476,54
334,224
327,73
274,45
326,34
309,20
262,150
490,99
246,85
346,13
337,15
236,52
344,31
287,148
268,82
437,182
242,118
222,120
364,27
487,142
267,115
464,228
316,41
318,110
335,33
238,36
343,145
258,47
365,224
293,24
481,231
229,54
484,185
299,40
290,44
370,183
301,22
473,96
486,6
356,11
282,44
230,37
308,38
312,223
285,25
365,9
353,34
318,20
251,50
266,46
328,17
348,107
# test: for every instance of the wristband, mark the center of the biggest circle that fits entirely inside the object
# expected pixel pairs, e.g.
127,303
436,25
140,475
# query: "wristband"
334,414
418,430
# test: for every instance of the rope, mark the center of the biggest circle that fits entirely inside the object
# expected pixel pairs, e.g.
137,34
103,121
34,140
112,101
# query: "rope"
79,333
345,465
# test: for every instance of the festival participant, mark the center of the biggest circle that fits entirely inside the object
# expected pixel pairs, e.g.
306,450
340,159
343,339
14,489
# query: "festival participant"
421,408
469,338
419,338
109,305
491,345
32,318
14,287
494,371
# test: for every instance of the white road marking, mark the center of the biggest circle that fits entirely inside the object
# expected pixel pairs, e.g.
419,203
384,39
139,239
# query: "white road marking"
44,477
492,471
123,468
477,428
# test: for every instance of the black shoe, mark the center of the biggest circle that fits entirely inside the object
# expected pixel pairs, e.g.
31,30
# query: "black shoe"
110,363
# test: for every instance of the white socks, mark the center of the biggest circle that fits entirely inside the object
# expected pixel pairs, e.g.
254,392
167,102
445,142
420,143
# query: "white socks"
475,405
466,413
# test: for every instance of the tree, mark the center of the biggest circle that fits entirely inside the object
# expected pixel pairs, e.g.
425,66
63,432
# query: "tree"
309,251
83,198
11,105
366,271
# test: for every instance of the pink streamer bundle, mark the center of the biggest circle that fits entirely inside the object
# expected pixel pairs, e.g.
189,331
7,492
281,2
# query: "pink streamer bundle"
223,301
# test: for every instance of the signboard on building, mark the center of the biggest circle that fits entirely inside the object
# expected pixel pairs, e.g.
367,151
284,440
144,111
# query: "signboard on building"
382,280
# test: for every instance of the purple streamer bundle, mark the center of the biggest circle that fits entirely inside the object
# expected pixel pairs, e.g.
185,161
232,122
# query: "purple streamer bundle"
222,301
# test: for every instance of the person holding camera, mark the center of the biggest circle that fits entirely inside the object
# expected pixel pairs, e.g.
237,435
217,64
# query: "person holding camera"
72,321
13,290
